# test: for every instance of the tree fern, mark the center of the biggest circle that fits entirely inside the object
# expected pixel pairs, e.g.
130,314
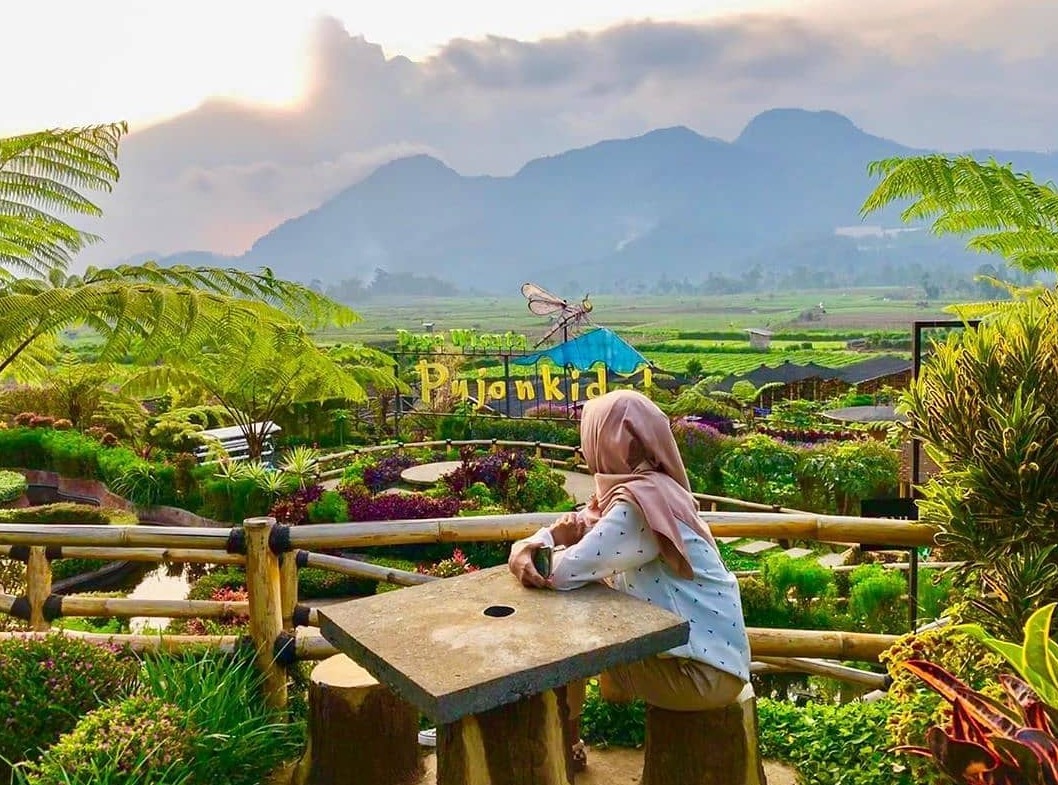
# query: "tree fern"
274,369
44,175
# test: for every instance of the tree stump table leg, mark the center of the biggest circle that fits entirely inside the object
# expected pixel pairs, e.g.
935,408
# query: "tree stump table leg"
358,730
523,743
716,747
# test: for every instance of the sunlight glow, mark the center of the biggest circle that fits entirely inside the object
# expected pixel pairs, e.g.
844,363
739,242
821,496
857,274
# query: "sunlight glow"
145,61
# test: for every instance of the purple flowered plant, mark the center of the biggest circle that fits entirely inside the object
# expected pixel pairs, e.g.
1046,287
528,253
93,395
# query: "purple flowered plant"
396,506
386,473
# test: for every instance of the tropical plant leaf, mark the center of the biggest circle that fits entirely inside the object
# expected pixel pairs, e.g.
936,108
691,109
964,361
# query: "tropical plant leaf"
981,709
963,761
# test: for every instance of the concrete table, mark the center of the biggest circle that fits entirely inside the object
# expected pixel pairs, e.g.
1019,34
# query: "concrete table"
488,660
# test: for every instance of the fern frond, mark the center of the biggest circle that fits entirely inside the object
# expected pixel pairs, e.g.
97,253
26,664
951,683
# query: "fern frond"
1009,213
44,174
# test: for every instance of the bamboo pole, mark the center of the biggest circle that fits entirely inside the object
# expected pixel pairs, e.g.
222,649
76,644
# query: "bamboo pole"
140,643
314,647
161,555
825,644
266,619
38,587
288,588
833,670
362,569
113,536
826,528
166,609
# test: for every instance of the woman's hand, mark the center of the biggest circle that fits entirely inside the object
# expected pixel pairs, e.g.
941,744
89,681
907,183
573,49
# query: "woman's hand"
520,563
568,530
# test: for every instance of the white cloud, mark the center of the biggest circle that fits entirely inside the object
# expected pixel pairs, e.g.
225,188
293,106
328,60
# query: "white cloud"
221,175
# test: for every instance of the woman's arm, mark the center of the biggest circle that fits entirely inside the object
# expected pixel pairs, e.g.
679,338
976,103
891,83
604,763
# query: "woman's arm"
619,542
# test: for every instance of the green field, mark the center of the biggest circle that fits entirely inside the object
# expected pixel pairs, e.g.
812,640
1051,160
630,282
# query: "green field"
644,319
743,362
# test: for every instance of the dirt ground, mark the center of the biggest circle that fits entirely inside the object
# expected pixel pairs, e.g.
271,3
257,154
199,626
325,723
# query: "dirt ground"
619,766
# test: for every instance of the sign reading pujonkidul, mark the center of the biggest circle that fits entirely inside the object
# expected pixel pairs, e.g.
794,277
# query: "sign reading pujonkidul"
552,385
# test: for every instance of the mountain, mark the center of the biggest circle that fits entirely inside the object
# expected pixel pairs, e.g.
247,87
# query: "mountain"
670,202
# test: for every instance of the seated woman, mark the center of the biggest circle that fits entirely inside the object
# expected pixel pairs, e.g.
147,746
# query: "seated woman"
641,534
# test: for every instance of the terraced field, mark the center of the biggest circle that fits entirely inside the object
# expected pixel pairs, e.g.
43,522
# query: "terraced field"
743,362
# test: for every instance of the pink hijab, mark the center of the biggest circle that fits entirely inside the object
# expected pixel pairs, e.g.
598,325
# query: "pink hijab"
628,444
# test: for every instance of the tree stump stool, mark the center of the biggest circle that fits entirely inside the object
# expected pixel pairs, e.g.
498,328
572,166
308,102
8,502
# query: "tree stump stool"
716,747
523,743
358,730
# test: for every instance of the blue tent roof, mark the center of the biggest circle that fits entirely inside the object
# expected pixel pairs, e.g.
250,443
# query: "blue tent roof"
585,351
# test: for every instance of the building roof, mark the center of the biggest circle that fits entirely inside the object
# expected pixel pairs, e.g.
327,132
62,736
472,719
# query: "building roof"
789,373
760,331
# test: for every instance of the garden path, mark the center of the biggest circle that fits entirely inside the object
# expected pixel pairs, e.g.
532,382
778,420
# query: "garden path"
579,486
621,766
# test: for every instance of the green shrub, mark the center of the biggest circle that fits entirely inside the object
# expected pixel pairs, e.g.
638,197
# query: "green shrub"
12,486
878,599
507,429
541,490
220,578
48,684
317,584
617,724
68,512
239,740
805,587
233,501
331,507
761,469
984,407
138,741
914,709
848,472
832,745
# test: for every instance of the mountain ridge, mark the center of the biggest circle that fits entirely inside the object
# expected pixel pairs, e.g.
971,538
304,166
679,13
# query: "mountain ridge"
668,202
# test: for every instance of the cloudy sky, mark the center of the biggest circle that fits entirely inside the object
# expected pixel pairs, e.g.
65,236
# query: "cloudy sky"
248,112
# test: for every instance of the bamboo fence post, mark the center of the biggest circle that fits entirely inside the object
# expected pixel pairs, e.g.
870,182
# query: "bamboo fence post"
288,587
266,616
38,587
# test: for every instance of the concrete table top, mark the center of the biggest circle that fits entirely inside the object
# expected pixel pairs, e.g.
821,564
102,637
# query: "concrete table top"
464,645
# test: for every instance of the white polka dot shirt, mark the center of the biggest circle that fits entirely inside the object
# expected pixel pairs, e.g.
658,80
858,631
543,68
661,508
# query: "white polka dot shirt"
623,551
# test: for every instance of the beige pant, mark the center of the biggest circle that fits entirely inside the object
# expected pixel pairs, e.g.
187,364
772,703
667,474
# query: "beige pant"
672,683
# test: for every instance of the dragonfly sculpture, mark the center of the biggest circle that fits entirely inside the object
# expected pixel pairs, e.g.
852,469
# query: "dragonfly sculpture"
565,315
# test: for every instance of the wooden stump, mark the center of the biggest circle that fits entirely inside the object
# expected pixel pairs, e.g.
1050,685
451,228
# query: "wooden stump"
523,743
358,730
717,747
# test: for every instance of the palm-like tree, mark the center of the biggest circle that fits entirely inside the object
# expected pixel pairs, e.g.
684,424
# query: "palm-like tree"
273,370
1005,212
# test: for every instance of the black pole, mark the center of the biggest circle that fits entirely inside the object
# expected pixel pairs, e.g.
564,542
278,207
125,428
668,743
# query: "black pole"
507,384
912,589
916,367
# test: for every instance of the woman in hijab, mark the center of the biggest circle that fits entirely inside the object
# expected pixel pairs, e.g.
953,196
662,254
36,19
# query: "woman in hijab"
641,534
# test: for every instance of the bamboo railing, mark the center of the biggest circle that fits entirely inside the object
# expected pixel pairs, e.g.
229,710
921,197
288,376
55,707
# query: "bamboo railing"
273,553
